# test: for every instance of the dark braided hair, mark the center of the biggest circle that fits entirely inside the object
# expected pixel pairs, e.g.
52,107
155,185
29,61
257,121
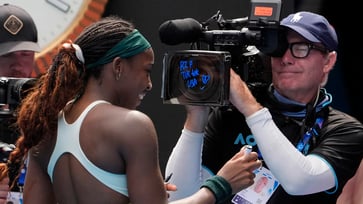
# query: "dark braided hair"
64,81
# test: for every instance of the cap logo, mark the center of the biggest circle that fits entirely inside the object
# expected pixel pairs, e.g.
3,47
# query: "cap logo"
13,24
296,18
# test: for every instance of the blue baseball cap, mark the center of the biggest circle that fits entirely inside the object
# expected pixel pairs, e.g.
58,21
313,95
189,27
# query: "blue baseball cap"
312,27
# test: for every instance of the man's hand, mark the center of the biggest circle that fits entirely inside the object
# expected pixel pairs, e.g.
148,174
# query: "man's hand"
197,118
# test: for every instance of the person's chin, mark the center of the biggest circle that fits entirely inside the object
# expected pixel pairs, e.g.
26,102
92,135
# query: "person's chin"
138,101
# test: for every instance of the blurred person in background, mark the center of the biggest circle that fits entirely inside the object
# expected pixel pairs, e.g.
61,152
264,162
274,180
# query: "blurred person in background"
18,45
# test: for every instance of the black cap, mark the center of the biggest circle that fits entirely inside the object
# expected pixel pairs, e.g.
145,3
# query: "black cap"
17,30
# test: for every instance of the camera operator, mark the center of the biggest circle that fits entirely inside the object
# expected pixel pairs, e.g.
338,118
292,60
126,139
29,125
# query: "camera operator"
18,44
309,148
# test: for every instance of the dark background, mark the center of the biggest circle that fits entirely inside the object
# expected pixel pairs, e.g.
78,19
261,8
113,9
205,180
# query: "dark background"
345,81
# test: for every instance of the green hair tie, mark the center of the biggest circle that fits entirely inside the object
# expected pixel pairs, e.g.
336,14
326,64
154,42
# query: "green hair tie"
131,45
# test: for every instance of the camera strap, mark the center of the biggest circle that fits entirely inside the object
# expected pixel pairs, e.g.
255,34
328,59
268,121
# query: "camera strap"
303,145
21,179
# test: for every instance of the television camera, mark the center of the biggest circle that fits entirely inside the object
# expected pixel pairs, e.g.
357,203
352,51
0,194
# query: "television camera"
12,91
200,75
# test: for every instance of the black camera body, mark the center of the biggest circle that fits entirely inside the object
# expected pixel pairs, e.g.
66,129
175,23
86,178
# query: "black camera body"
243,44
12,91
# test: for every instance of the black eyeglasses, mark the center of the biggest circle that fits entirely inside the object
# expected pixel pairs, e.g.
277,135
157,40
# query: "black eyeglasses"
302,49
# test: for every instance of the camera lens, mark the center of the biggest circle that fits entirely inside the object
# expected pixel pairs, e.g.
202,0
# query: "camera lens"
19,88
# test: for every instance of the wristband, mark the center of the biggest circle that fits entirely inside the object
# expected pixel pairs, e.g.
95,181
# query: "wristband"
220,188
